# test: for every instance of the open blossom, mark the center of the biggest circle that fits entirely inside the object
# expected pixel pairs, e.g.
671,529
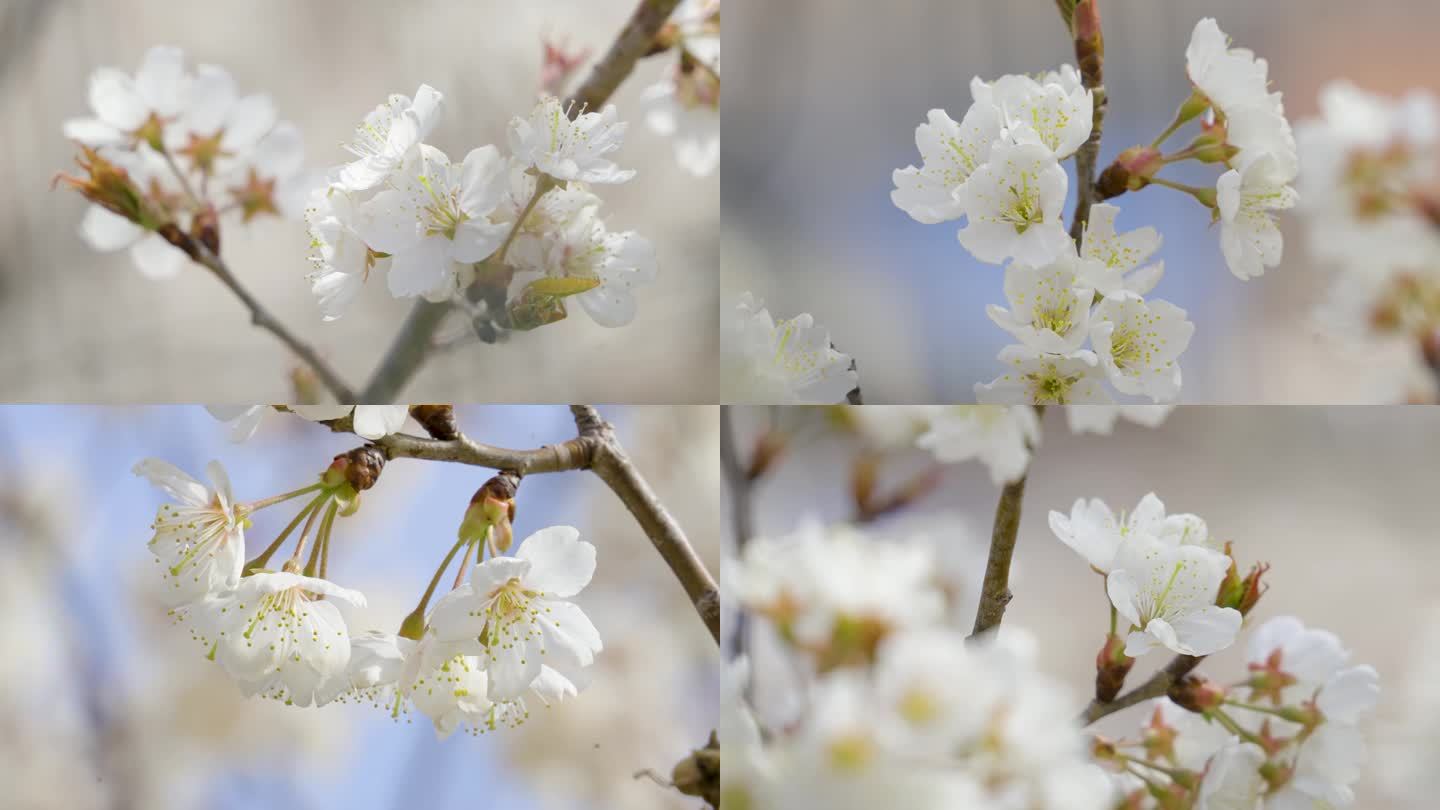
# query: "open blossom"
388,135
685,105
280,635
517,609
1232,778
999,436
1051,111
1249,237
1139,343
123,105
570,149
341,258
1045,379
106,231
790,362
1229,77
1121,255
1049,306
617,261
434,216
1013,205
1101,419
1167,593
199,540
950,153
1096,533
370,422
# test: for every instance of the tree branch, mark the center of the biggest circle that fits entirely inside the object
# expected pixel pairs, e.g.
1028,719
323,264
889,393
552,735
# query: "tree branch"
409,349
995,590
614,467
1083,21
262,318
1155,687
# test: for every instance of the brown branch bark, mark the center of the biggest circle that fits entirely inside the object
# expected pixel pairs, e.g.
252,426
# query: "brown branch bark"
411,346
614,467
995,589
1083,21
1155,687
261,317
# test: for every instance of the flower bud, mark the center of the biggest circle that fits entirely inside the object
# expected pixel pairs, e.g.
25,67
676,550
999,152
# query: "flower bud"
360,468
438,421
205,229
493,506
699,773
1131,171
1112,665
1197,694
413,627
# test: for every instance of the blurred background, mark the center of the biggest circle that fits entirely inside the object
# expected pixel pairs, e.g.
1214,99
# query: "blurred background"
105,705
1341,501
822,106
82,326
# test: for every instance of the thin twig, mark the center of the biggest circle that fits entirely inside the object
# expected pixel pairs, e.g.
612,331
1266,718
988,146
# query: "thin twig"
995,590
1083,20
614,467
261,317
409,349
1155,687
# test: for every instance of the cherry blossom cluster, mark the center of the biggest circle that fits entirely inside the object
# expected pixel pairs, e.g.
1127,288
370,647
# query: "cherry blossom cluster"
524,227
899,709
1000,169
1287,736
505,635
174,150
1002,437
791,362
1370,211
685,105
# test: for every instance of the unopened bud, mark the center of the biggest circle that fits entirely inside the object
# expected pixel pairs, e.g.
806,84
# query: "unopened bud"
438,421
699,773
1131,171
1197,694
413,627
1112,665
1089,41
360,468
1211,146
492,507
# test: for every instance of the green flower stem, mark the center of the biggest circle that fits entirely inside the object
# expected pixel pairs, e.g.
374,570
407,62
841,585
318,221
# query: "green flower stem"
260,561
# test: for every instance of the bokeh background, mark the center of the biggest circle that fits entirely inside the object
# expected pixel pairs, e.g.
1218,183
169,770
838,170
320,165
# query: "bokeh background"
823,100
1339,500
105,705
80,326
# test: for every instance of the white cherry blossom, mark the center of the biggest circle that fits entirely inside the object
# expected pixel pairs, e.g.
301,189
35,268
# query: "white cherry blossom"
1249,237
1045,379
1139,343
1229,77
435,215
1232,778
619,260
1055,115
387,136
787,363
280,635
1096,533
570,149
1049,306
950,153
686,108
998,436
122,105
517,609
1013,206
200,540
341,259
1120,254
106,231
1167,593
370,422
